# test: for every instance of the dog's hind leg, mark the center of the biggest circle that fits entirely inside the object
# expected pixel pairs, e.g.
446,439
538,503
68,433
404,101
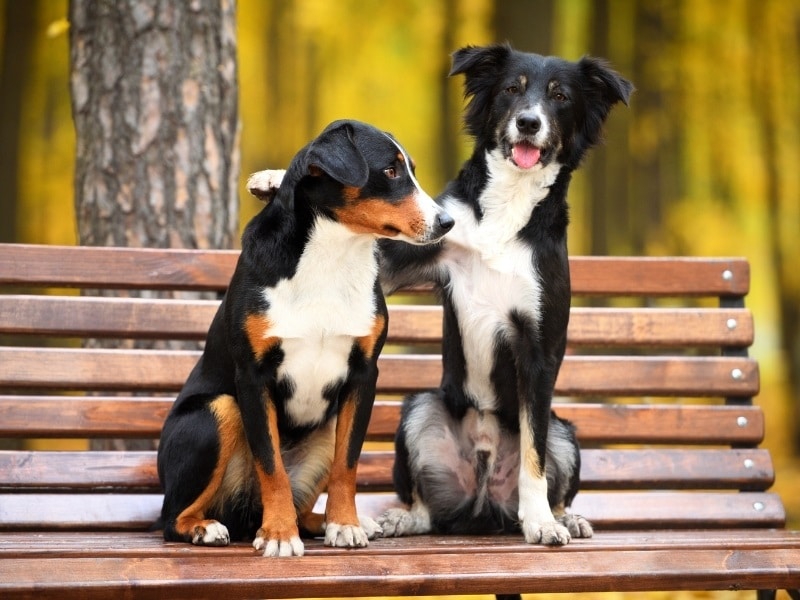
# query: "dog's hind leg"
186,506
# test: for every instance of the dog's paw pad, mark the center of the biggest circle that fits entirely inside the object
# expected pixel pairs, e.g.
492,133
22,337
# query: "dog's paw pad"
577,526
274,548
212,533
345,536
549,533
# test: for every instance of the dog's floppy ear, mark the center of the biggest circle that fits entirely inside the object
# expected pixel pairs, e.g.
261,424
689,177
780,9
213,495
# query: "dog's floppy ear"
335,153
604,82
477,60
480,65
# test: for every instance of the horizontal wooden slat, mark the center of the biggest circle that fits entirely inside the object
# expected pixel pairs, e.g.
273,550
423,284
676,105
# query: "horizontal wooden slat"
189,319
600,469
166,370
49,544
96,565
127,268
121,268
607,510
68,416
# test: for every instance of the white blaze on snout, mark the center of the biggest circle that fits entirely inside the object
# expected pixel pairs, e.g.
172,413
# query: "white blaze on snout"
428,209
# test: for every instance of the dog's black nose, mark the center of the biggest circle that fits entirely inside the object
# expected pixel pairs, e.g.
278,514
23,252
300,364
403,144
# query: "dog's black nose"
444,221
528,124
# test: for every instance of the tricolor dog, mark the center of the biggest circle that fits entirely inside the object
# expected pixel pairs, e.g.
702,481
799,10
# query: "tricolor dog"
483,453
276,409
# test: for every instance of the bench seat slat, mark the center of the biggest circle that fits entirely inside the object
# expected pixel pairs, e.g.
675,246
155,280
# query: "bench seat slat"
75,544
607,510
242,576
166,370
151,268
140,318
600,469
48,416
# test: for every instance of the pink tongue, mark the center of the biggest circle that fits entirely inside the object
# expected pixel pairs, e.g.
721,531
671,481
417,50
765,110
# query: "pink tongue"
525,156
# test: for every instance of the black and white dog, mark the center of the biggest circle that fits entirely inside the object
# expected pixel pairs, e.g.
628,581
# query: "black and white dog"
483,452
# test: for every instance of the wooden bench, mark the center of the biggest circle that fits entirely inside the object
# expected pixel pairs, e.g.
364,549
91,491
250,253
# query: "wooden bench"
657,380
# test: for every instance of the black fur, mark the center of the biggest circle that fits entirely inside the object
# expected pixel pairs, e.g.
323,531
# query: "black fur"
348,187
533,118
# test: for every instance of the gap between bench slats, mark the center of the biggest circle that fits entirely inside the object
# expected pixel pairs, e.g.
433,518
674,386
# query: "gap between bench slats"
738,469
149,268
607,510
166,370
68,416
139,318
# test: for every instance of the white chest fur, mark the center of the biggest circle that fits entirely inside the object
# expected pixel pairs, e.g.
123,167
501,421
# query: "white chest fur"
491,273
319,312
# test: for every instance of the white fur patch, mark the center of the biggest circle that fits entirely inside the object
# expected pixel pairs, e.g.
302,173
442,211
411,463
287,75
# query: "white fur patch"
320,311
491,271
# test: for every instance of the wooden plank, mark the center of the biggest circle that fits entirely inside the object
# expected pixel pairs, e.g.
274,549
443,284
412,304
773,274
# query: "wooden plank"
408,324
148,268
49,544
653,276
166,370
607,510
142,417
749,469
120,268
360,573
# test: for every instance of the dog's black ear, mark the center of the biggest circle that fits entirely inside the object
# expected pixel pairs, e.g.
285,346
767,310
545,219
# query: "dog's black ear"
604,82
480,65
478,60
334,152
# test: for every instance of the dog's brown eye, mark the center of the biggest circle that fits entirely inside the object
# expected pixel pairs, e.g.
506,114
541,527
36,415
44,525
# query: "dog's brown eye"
512,89
560,97
391,173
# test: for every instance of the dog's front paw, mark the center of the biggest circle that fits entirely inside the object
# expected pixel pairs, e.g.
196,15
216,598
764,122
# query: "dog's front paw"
370,527
272,546
577,526
346,536
211,533
550,533
396,522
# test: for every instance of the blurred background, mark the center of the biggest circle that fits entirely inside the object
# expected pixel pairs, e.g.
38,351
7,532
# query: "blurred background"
705,161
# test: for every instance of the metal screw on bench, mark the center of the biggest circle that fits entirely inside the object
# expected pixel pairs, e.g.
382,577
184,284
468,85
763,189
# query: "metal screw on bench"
741,421
737,374
758,505
748,463
727,275
731,323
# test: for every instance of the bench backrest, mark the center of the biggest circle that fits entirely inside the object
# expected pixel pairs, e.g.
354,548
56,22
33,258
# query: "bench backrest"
657,379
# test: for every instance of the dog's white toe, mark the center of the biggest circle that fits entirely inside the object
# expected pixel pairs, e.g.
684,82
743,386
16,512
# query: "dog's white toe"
345,536
214,534
577,526
549,533
370,527
275,548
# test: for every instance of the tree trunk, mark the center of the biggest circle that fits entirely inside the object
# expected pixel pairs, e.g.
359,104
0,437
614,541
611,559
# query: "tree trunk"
154,100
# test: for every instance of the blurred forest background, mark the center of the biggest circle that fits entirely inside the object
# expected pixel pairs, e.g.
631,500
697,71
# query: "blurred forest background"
706,160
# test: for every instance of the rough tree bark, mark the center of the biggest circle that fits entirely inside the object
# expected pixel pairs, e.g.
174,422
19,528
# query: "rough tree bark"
155,105
154,99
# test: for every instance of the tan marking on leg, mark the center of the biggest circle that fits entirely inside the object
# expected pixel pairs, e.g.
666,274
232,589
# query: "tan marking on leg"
368,342
191,521
256,328
279,518
341,506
